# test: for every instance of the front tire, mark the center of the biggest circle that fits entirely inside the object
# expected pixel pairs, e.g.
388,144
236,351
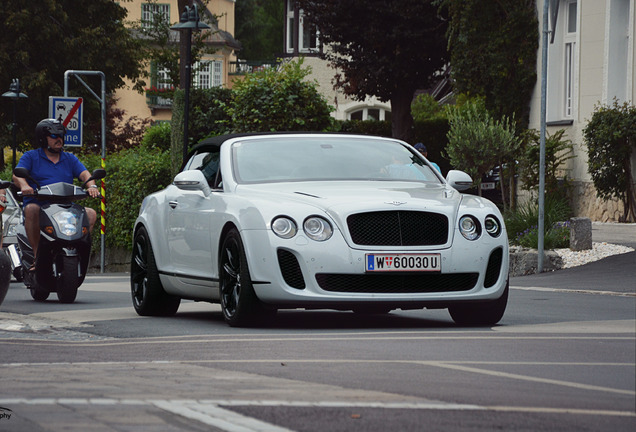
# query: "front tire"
480,314
148,296
239,303
70,280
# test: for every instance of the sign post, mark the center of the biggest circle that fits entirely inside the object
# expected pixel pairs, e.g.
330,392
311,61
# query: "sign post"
70,111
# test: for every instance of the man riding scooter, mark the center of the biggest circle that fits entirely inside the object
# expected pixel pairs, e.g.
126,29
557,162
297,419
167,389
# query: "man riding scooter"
49,164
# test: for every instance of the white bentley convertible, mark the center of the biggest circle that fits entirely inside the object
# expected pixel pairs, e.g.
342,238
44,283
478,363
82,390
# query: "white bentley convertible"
263,222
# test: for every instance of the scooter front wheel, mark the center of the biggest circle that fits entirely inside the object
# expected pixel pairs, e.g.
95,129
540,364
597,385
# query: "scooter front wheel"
39,294
69,281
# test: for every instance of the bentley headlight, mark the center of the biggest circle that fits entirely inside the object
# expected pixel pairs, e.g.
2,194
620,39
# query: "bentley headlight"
469,227
317,228
284,227
66,222
492,225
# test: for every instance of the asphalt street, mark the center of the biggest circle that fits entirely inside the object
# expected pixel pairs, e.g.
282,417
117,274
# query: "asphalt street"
561,360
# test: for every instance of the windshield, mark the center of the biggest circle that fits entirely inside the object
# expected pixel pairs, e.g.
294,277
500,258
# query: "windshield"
327,158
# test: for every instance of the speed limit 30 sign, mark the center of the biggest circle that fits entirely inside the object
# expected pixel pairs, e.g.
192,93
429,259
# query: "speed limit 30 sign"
70,111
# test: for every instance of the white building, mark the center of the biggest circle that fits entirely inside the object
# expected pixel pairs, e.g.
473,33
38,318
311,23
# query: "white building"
590,62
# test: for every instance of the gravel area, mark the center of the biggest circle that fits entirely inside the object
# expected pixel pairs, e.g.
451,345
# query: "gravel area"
599,251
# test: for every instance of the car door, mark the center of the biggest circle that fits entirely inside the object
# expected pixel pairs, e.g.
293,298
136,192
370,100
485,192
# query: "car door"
190,214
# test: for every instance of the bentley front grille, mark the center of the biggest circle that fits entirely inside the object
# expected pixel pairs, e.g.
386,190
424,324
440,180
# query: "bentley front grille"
398,228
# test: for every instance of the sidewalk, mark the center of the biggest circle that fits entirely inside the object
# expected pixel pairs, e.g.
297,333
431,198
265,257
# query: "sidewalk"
616,273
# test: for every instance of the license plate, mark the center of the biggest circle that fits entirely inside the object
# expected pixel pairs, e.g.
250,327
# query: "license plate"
403,262
488,186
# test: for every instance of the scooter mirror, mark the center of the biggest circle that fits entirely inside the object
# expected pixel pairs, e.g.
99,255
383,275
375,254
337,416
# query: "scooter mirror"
98,174
25,174
21,172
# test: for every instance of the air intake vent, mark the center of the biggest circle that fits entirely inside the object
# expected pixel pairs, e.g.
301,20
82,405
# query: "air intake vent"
290,269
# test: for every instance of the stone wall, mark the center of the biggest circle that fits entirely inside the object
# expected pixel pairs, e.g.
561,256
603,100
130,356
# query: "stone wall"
585,203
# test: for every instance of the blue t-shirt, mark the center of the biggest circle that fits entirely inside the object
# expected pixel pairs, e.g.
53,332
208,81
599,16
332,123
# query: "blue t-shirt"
46,172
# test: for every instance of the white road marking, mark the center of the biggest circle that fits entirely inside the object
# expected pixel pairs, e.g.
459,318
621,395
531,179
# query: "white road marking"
211,413
575,291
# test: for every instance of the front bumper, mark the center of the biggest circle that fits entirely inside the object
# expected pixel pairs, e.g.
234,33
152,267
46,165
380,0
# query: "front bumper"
303,273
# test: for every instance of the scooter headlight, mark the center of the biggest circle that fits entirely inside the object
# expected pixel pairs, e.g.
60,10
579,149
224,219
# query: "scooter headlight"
66,222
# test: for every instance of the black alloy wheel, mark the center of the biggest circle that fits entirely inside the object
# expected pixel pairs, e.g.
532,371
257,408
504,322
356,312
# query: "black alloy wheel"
148,296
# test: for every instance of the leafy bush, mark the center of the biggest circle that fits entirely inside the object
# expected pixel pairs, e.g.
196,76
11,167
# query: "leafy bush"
611,138
557,151
158,137
208,117
522,223
279,100
367,127
477,142
131,175
425,107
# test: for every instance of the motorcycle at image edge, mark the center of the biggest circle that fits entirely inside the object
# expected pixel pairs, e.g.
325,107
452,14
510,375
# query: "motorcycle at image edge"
5,265
65,241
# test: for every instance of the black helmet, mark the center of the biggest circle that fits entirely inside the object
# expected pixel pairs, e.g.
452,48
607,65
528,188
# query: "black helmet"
48,127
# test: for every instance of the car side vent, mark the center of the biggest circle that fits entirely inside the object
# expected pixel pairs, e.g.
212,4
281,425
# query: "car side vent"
494,268
290,269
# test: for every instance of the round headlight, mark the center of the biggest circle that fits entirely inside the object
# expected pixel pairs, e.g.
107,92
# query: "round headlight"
66,222
317,228
469,227
284,227
492,225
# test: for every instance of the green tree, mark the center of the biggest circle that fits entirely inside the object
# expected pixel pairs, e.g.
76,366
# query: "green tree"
259,28
493,53
558,150
279,100
425,107
611,139
388,49
41,39
477,142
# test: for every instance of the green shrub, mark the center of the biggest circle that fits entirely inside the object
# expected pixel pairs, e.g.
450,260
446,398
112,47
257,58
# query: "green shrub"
158,136
132,174
522,223
611,139
279,100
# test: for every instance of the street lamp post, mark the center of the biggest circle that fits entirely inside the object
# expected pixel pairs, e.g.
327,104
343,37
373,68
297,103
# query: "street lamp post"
15,94
189,21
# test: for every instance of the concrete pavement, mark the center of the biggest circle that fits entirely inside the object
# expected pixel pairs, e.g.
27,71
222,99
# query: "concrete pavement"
616,273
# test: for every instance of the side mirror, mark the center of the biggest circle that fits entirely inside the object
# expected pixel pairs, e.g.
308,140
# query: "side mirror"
98,174
24,173
459,180
192,180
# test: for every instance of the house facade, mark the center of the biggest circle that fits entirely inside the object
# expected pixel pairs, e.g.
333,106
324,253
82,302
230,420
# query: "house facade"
590,62
212,70
303,40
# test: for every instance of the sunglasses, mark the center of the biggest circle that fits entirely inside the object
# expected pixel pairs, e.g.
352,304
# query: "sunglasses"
56,136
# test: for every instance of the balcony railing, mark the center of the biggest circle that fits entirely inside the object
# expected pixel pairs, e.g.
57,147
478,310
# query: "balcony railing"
158,101
243,67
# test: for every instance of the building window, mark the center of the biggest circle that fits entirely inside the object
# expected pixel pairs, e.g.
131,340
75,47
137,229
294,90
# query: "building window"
152,13
208,74
569,60
618,39
308,35
290,28
563,63
367,113
300,35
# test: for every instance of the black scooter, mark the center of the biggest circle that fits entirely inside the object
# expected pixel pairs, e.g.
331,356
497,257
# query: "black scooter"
65,241
5,265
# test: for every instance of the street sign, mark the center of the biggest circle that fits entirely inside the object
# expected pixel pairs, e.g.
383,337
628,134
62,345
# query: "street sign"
70,111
